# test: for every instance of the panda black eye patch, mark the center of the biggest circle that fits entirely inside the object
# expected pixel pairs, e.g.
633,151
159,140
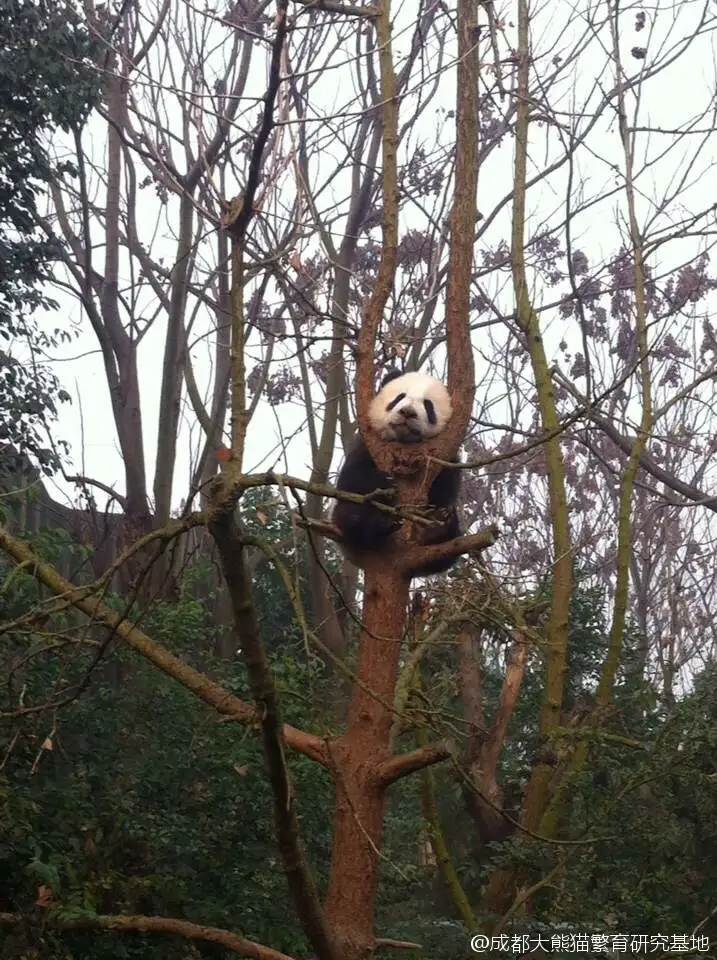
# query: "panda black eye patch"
395,400
430,411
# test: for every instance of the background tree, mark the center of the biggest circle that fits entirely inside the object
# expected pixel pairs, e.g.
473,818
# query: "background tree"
46,84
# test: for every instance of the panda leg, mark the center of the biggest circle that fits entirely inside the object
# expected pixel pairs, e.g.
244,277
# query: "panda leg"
445,488
363,526
440,531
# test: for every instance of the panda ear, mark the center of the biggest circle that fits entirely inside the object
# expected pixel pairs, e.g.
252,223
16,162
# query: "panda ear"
391,375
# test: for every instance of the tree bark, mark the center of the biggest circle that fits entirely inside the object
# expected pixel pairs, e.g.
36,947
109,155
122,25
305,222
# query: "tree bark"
361,795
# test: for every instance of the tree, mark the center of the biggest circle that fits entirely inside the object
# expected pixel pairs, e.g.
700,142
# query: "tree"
47,83
579,352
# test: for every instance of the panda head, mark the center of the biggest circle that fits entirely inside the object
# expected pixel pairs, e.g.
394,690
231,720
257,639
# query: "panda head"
410,408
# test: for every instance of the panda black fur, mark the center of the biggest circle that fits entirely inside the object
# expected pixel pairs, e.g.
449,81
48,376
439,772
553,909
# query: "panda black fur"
408,408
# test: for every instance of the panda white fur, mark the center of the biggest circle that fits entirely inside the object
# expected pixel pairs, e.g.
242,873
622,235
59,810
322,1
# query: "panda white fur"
408,408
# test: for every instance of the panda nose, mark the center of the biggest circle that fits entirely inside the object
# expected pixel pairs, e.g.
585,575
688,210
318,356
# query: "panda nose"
408,413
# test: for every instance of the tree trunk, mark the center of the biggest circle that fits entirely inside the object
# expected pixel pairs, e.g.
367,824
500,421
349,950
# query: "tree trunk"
360,800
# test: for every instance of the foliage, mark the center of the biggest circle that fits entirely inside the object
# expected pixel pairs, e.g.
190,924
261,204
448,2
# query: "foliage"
46,83
640,820
140,801
266,517
650,814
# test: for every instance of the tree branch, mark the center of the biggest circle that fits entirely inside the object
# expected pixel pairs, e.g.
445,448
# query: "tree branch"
142,924
529,322
417,555
89,482
238,226
321,528
336,6
298,873
204,688
647,463
407,763
461,370
374,307
387,943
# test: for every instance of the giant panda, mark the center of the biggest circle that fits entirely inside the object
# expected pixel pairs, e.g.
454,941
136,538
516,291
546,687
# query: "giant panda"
408,408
